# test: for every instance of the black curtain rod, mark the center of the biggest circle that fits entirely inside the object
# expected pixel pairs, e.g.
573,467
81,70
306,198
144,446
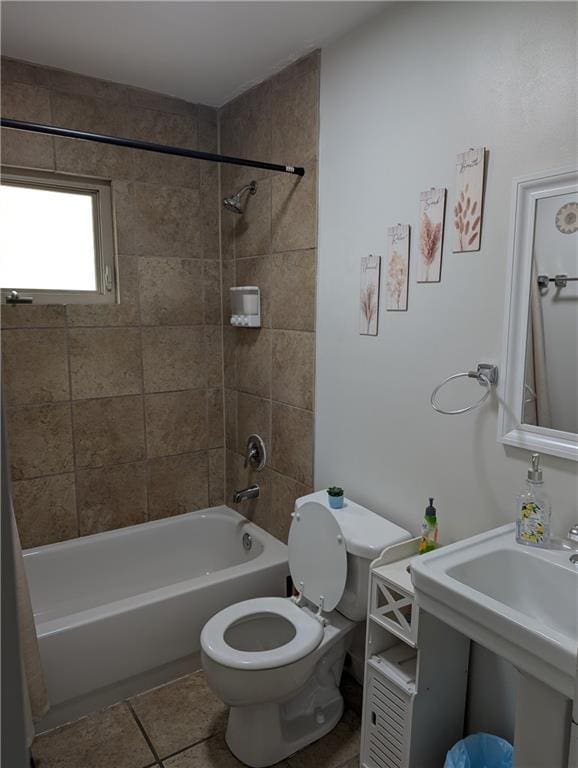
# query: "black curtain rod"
147,146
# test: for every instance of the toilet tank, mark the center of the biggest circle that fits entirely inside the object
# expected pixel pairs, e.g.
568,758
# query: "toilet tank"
366,535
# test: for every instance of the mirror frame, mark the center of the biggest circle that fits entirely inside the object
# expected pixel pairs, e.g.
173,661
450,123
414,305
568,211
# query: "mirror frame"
511,431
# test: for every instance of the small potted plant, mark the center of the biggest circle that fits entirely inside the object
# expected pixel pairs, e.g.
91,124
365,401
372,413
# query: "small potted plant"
335,495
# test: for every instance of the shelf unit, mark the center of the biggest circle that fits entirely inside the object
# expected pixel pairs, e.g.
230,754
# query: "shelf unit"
416,673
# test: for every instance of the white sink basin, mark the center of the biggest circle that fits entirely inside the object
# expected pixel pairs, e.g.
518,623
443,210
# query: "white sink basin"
520,602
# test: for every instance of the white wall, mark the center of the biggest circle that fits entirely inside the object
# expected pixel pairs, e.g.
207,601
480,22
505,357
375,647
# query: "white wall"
400,97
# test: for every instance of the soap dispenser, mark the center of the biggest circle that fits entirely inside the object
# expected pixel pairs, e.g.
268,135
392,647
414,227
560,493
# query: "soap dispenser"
533,509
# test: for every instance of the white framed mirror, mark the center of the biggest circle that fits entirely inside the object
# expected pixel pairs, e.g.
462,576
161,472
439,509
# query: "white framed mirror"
539,388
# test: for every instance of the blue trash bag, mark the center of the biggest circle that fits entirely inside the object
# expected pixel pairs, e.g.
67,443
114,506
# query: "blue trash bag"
482,750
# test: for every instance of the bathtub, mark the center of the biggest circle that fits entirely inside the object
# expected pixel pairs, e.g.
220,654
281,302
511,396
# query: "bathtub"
122,611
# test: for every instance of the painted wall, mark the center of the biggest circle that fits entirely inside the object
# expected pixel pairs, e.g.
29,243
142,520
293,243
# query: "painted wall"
400,97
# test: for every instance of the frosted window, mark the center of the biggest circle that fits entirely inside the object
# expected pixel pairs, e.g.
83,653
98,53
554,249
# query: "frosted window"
47,239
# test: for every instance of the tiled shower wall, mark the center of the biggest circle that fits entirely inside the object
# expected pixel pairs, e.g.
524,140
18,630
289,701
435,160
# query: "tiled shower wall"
269,373
115,413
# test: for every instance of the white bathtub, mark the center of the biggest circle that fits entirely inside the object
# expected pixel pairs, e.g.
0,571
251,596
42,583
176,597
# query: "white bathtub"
120,611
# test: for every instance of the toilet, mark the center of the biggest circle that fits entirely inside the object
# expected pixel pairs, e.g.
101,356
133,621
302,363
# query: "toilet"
277,662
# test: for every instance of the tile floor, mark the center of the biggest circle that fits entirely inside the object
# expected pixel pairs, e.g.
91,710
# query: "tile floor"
181,725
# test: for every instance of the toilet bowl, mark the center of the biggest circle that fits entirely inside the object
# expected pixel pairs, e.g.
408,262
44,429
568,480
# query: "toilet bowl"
277,662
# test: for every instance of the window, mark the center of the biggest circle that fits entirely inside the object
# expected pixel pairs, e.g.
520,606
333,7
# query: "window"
56,238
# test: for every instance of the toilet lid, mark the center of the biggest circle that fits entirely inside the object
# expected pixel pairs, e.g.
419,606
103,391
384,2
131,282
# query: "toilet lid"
317,555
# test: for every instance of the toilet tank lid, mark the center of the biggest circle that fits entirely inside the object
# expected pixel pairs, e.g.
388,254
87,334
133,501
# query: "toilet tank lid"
366,534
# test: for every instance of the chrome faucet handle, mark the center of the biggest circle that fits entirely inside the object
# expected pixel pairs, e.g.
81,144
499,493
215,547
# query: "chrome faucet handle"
573,533
255,453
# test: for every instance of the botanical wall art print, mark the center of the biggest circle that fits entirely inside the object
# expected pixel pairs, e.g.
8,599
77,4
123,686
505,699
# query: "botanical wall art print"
431,234
369,295
397,267
467,210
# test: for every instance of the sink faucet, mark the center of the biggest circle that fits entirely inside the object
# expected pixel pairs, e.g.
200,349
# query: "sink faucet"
252,492
573,534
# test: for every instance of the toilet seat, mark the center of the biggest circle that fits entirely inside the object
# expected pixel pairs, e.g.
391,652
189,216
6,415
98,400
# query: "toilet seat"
308,634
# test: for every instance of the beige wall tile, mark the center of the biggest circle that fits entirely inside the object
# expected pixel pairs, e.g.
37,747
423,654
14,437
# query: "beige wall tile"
215,418
257,271
210,208
91,87
177,484
108,430
84,113
16,71
105,362
88,158
284,492
178,130
140,97
24,101
231,396
166,221
212,291
173,358
176,422
40,440
252,230
292,443
216,477
109,737
110,497
293,287
167,170
123,210
230,335
214,355
35,366
171,291
253,417
294,211
126,312
45,509
26,150
33,316
246,124
304,66
295,119
253,349
180,713
293,368
257,510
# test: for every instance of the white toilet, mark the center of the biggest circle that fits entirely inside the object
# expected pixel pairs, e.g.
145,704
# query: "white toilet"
277,662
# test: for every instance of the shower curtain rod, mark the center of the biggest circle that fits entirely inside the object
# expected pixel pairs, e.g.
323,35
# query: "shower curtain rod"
146,146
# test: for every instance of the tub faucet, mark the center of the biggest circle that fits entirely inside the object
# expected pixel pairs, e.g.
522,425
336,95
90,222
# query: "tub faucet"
252,492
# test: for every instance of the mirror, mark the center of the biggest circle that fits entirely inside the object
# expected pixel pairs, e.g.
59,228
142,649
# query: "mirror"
539,404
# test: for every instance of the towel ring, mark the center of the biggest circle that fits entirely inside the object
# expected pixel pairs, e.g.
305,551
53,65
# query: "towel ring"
486,374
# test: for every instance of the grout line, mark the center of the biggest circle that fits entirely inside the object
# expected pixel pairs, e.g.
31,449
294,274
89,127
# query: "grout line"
115,464
71,411
144,733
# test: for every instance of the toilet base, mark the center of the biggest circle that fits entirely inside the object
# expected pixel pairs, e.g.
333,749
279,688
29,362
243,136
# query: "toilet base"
261,735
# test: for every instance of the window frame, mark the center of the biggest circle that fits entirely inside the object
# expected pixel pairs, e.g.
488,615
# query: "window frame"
99,190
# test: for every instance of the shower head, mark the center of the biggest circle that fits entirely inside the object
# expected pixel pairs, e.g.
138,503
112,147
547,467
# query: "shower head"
234,203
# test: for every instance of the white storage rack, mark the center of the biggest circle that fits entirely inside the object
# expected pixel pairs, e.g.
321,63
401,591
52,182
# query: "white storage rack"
416,672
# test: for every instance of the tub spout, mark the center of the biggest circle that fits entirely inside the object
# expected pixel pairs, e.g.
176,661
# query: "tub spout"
252,492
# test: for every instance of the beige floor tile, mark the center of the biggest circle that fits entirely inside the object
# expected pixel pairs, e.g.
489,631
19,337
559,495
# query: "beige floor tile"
335,749
212,753
107,739
180,714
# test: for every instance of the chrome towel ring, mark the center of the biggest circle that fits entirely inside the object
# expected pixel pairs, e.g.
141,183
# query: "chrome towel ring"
486,374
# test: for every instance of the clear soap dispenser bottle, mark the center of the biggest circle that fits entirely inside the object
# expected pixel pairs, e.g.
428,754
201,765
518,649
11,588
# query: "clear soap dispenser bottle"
533,509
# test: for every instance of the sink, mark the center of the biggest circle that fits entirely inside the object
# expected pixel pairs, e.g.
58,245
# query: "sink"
520,602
